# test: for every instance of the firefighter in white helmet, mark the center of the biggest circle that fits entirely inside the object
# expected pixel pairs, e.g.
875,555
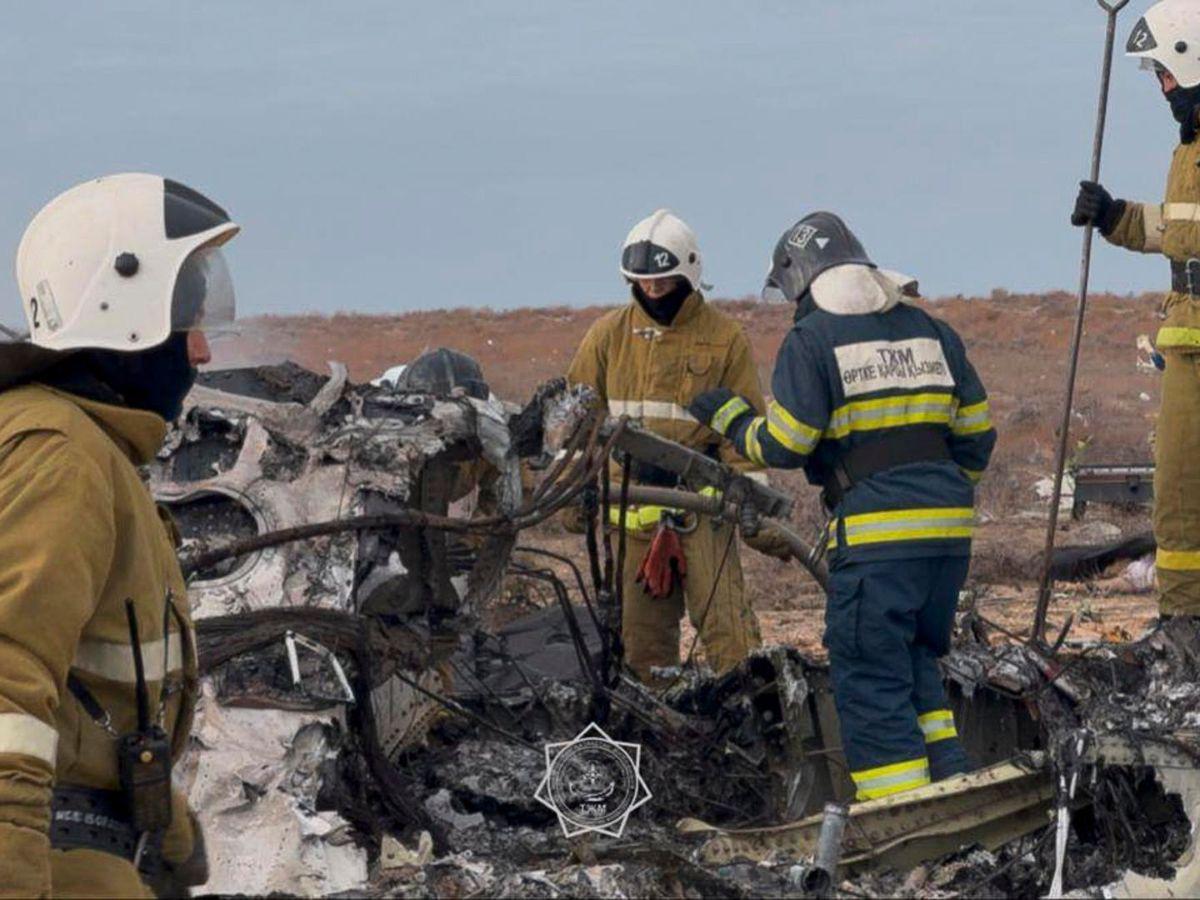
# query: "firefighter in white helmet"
1167,40
118,278
648,360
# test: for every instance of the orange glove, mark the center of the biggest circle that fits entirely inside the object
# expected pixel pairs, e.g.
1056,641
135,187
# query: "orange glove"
664,563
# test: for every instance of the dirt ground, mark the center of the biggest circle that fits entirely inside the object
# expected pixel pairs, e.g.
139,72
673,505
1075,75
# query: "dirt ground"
1018,343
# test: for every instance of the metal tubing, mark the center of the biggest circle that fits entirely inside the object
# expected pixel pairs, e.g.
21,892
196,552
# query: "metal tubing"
1085,266
820,879
715,506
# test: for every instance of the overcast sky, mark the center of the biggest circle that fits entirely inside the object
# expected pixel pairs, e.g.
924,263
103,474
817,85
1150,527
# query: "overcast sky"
392,155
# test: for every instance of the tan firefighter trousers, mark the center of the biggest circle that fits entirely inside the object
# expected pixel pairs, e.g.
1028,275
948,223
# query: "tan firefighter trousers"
1177,485
650,627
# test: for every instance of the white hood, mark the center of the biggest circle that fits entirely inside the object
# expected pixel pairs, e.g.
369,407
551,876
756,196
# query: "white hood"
854,290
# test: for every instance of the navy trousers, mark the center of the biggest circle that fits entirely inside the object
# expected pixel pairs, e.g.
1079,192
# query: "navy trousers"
886,624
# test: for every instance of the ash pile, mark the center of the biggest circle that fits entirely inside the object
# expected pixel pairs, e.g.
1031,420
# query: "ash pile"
374,723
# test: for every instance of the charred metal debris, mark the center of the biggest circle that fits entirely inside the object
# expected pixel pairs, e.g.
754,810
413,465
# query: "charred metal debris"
375,721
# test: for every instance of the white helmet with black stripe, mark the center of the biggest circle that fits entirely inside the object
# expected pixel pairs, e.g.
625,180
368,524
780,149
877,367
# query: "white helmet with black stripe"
121,262
1168,36
662,246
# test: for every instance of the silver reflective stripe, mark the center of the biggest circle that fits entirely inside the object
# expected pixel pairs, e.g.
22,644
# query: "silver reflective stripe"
1154,226
650,409
911,525
936,722
28,736
1181,212
727,413
114,662
852,416
917,775
976,419
797,442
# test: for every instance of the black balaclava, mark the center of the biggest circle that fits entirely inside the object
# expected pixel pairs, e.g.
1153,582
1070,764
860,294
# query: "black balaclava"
154,380
665,308
1185,107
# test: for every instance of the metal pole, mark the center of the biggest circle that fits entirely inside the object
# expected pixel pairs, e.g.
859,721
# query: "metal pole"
1085,267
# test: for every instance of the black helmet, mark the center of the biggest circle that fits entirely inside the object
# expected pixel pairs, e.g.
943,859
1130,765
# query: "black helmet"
439,371
816,243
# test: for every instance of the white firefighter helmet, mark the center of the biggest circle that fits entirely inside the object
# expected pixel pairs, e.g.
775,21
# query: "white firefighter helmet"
662,246
120,262
1168,35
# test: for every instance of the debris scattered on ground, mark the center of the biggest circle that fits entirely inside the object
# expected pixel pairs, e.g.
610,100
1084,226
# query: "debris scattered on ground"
424,784
1095,531
1044,489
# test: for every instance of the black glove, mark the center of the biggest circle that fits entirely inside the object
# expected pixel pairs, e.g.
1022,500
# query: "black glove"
720,409
1096,206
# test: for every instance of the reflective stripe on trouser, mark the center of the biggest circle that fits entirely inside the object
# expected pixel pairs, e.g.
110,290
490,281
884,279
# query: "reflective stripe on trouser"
1177,486
886,624
890,779
937,725
651,628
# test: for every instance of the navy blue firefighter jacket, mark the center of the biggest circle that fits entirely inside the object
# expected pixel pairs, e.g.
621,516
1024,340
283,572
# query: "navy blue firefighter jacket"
841,380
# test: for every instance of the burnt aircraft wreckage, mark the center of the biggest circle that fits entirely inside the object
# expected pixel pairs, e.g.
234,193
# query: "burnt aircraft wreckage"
369,724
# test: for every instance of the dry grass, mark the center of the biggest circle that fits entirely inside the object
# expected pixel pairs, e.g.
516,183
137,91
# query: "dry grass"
1017,342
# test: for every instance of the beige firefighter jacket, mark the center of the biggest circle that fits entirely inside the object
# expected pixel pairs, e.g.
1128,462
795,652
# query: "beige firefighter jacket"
1173,229
80,533
650,372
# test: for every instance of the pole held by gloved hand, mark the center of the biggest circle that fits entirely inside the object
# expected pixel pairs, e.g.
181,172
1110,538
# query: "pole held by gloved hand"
1085,266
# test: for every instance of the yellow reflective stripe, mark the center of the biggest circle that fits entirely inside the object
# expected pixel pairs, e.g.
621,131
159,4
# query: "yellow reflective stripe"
710,491
937,725
787,420
1180,560
973,474
638,518
789,431
891,779
727,413
972,419
27,735
890,412
941,734
114,662
753,444
901,515
910,525
973,428
911,534
1177,336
